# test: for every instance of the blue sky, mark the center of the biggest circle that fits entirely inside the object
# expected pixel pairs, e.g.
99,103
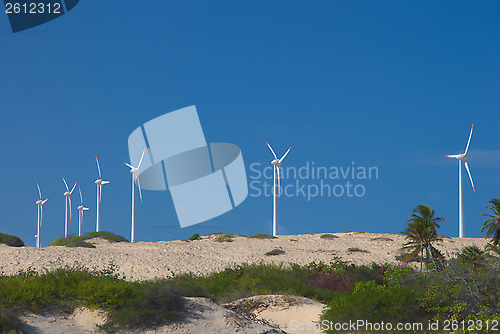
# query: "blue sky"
394,85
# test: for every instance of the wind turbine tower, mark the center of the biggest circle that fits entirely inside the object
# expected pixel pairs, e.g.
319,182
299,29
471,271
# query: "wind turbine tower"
462,159
276,186
39,204
135,177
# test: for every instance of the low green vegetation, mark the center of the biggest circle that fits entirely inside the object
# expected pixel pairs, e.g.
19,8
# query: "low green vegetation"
357,249
374,293
142,304
328,236
74,241
456,291
195,236
224,238
262,236
10,240
275,251
381,239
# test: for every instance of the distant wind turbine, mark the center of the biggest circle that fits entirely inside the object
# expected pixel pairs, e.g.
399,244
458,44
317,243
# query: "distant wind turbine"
99,182
462,158
276,187
68,195
135,176
81,209
39,204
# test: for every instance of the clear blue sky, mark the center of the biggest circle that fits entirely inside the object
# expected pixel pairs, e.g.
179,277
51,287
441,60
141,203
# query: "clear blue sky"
390,84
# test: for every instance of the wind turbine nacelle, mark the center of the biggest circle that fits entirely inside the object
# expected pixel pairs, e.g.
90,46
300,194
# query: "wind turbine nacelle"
80,207
276,162
39,202
98,181
67,194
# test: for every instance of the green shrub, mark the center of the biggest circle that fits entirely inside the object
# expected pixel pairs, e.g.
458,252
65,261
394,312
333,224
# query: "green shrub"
473,255
356,249
328,236
224,238
71,241
275,251
79,241
381,239
10,240
104,235
262,236
374,303
194,237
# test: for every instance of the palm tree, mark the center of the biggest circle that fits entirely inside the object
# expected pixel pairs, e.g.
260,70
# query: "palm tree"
493,224
421,233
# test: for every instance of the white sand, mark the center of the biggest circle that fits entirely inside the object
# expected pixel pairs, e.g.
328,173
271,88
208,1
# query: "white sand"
147,260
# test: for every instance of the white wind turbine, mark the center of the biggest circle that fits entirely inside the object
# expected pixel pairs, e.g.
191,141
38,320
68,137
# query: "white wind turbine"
81,209
99,182
276,187
39,204
68,195
135,176
462,158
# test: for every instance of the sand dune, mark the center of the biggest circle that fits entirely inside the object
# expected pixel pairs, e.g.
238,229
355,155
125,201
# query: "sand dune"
149,260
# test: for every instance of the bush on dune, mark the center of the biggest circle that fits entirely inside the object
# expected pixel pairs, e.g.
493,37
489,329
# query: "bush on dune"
74,241
456,291
10,240
262,236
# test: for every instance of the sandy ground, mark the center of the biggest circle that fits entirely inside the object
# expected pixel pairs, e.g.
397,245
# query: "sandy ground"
148,260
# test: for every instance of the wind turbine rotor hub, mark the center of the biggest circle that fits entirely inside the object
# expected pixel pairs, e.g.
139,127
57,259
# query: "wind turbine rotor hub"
98,181
276,162
39,202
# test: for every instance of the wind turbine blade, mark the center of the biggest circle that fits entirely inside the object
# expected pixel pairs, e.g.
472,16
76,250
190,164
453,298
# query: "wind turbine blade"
452,156
278,174
65,184
284,155
470,176
142,156
139,184
468,142
275,157
98,167
71,192
100,192
39,192
41,215
81,198
105,182
45,201
128,165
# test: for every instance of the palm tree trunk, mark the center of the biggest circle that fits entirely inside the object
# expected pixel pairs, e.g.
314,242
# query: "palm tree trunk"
496,237
421,257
